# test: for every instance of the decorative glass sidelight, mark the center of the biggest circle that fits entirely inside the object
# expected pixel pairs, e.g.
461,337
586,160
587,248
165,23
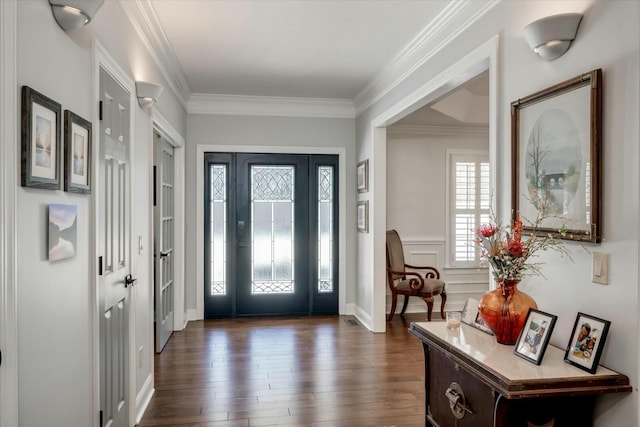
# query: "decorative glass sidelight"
325,229
218,229
272,226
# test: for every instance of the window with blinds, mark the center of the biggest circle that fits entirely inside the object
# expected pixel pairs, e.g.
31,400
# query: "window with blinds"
470,202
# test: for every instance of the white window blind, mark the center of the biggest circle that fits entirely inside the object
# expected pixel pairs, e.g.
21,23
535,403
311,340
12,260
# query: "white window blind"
470,200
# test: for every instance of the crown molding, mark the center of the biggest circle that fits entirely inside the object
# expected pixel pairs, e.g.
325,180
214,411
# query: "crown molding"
456,18
431,130
145,21
270,106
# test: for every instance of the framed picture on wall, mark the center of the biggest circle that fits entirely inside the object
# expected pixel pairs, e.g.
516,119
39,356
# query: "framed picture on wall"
77,154
363,176
587,342
41,145
556,146
363,216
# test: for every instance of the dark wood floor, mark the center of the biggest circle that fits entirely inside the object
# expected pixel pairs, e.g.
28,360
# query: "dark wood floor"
304,371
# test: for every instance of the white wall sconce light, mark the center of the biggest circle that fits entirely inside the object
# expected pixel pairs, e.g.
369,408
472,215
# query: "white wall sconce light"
551,37
148,93
72,14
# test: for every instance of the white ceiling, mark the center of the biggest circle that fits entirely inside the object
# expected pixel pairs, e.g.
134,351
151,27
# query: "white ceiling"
312,49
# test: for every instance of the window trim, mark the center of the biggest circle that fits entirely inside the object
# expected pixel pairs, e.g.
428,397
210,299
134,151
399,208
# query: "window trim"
451,154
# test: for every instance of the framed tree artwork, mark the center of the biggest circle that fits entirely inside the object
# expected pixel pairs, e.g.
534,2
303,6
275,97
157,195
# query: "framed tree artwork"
77,156
556,146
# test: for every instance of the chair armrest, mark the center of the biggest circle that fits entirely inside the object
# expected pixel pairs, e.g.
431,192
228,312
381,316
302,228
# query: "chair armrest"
416,283
432,272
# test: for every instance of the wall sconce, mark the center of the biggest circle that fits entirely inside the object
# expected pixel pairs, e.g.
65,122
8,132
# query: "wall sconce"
147,93
72,14
551,37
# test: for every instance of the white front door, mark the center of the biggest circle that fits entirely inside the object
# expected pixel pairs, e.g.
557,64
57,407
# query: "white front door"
114,250
164,239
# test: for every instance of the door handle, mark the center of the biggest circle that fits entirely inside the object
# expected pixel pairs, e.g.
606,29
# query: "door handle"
164,254
241,239
129,280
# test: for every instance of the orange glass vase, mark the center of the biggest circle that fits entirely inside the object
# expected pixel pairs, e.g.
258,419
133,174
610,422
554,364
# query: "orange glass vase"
505,309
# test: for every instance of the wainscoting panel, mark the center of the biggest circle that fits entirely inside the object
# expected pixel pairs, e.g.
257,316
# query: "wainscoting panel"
461,283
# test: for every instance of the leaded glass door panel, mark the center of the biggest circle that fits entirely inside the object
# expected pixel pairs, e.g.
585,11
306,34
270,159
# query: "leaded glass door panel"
272,227
271,233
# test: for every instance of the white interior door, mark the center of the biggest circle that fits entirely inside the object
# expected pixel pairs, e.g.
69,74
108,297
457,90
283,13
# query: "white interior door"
114,247
164,240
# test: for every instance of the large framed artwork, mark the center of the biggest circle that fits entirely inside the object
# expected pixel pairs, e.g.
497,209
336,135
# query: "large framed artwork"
77,156
41,145
556,146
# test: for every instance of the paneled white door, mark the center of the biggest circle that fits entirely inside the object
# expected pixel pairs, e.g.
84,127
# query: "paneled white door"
114,250
164,239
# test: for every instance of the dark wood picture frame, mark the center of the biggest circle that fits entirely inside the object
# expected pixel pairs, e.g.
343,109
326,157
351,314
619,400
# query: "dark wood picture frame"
41,142
556,149
363,176
585,347
77,153
534,336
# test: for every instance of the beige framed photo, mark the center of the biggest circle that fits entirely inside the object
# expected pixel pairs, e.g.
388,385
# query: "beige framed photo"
363,216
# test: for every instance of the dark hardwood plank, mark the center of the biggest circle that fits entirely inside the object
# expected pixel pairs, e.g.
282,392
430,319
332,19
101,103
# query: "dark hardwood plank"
295,371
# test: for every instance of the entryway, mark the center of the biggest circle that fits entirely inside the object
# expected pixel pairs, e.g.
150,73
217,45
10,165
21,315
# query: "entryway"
271,234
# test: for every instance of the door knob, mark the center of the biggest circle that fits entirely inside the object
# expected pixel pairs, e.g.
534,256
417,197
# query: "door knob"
164,254
129,280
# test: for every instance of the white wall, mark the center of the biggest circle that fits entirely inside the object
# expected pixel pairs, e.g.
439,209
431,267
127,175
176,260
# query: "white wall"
608,38
416,205
267,132
56,301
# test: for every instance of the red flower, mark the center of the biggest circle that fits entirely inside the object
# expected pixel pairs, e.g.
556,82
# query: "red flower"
487,230
515,248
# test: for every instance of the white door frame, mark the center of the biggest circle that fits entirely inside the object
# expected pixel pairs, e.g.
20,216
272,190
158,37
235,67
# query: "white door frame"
482,58
101,58
8,220
342,216
173,137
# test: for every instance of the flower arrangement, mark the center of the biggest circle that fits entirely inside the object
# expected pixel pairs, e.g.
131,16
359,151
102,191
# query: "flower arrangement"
508,254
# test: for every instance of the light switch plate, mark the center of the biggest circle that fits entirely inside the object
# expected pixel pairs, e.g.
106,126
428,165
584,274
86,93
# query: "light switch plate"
600,268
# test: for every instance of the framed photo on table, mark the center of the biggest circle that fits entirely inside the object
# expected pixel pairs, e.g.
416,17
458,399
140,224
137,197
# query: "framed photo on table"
77,157
587,342
556,148
534,336
471,316
40,143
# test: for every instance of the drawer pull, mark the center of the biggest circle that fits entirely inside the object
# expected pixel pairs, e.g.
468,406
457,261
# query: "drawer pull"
457,401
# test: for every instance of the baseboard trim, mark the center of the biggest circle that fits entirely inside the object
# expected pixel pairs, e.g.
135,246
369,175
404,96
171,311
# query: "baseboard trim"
192,314
363,317
144,397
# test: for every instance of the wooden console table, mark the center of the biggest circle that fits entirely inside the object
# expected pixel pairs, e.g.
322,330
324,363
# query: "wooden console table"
471,380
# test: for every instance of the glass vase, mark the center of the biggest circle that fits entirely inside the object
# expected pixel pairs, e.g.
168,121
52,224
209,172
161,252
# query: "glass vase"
505,309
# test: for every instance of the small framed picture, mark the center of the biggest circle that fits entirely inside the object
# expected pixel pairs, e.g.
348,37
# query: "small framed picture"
363,176
534,337
587,342
77,154
41,145
471,317
363,216
63,231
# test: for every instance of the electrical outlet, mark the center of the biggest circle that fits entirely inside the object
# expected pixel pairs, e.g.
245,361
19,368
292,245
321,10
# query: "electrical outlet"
600,268
140,357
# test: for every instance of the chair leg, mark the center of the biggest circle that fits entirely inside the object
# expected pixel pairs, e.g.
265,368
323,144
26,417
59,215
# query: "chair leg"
443,295
394,301
404,306
429,301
